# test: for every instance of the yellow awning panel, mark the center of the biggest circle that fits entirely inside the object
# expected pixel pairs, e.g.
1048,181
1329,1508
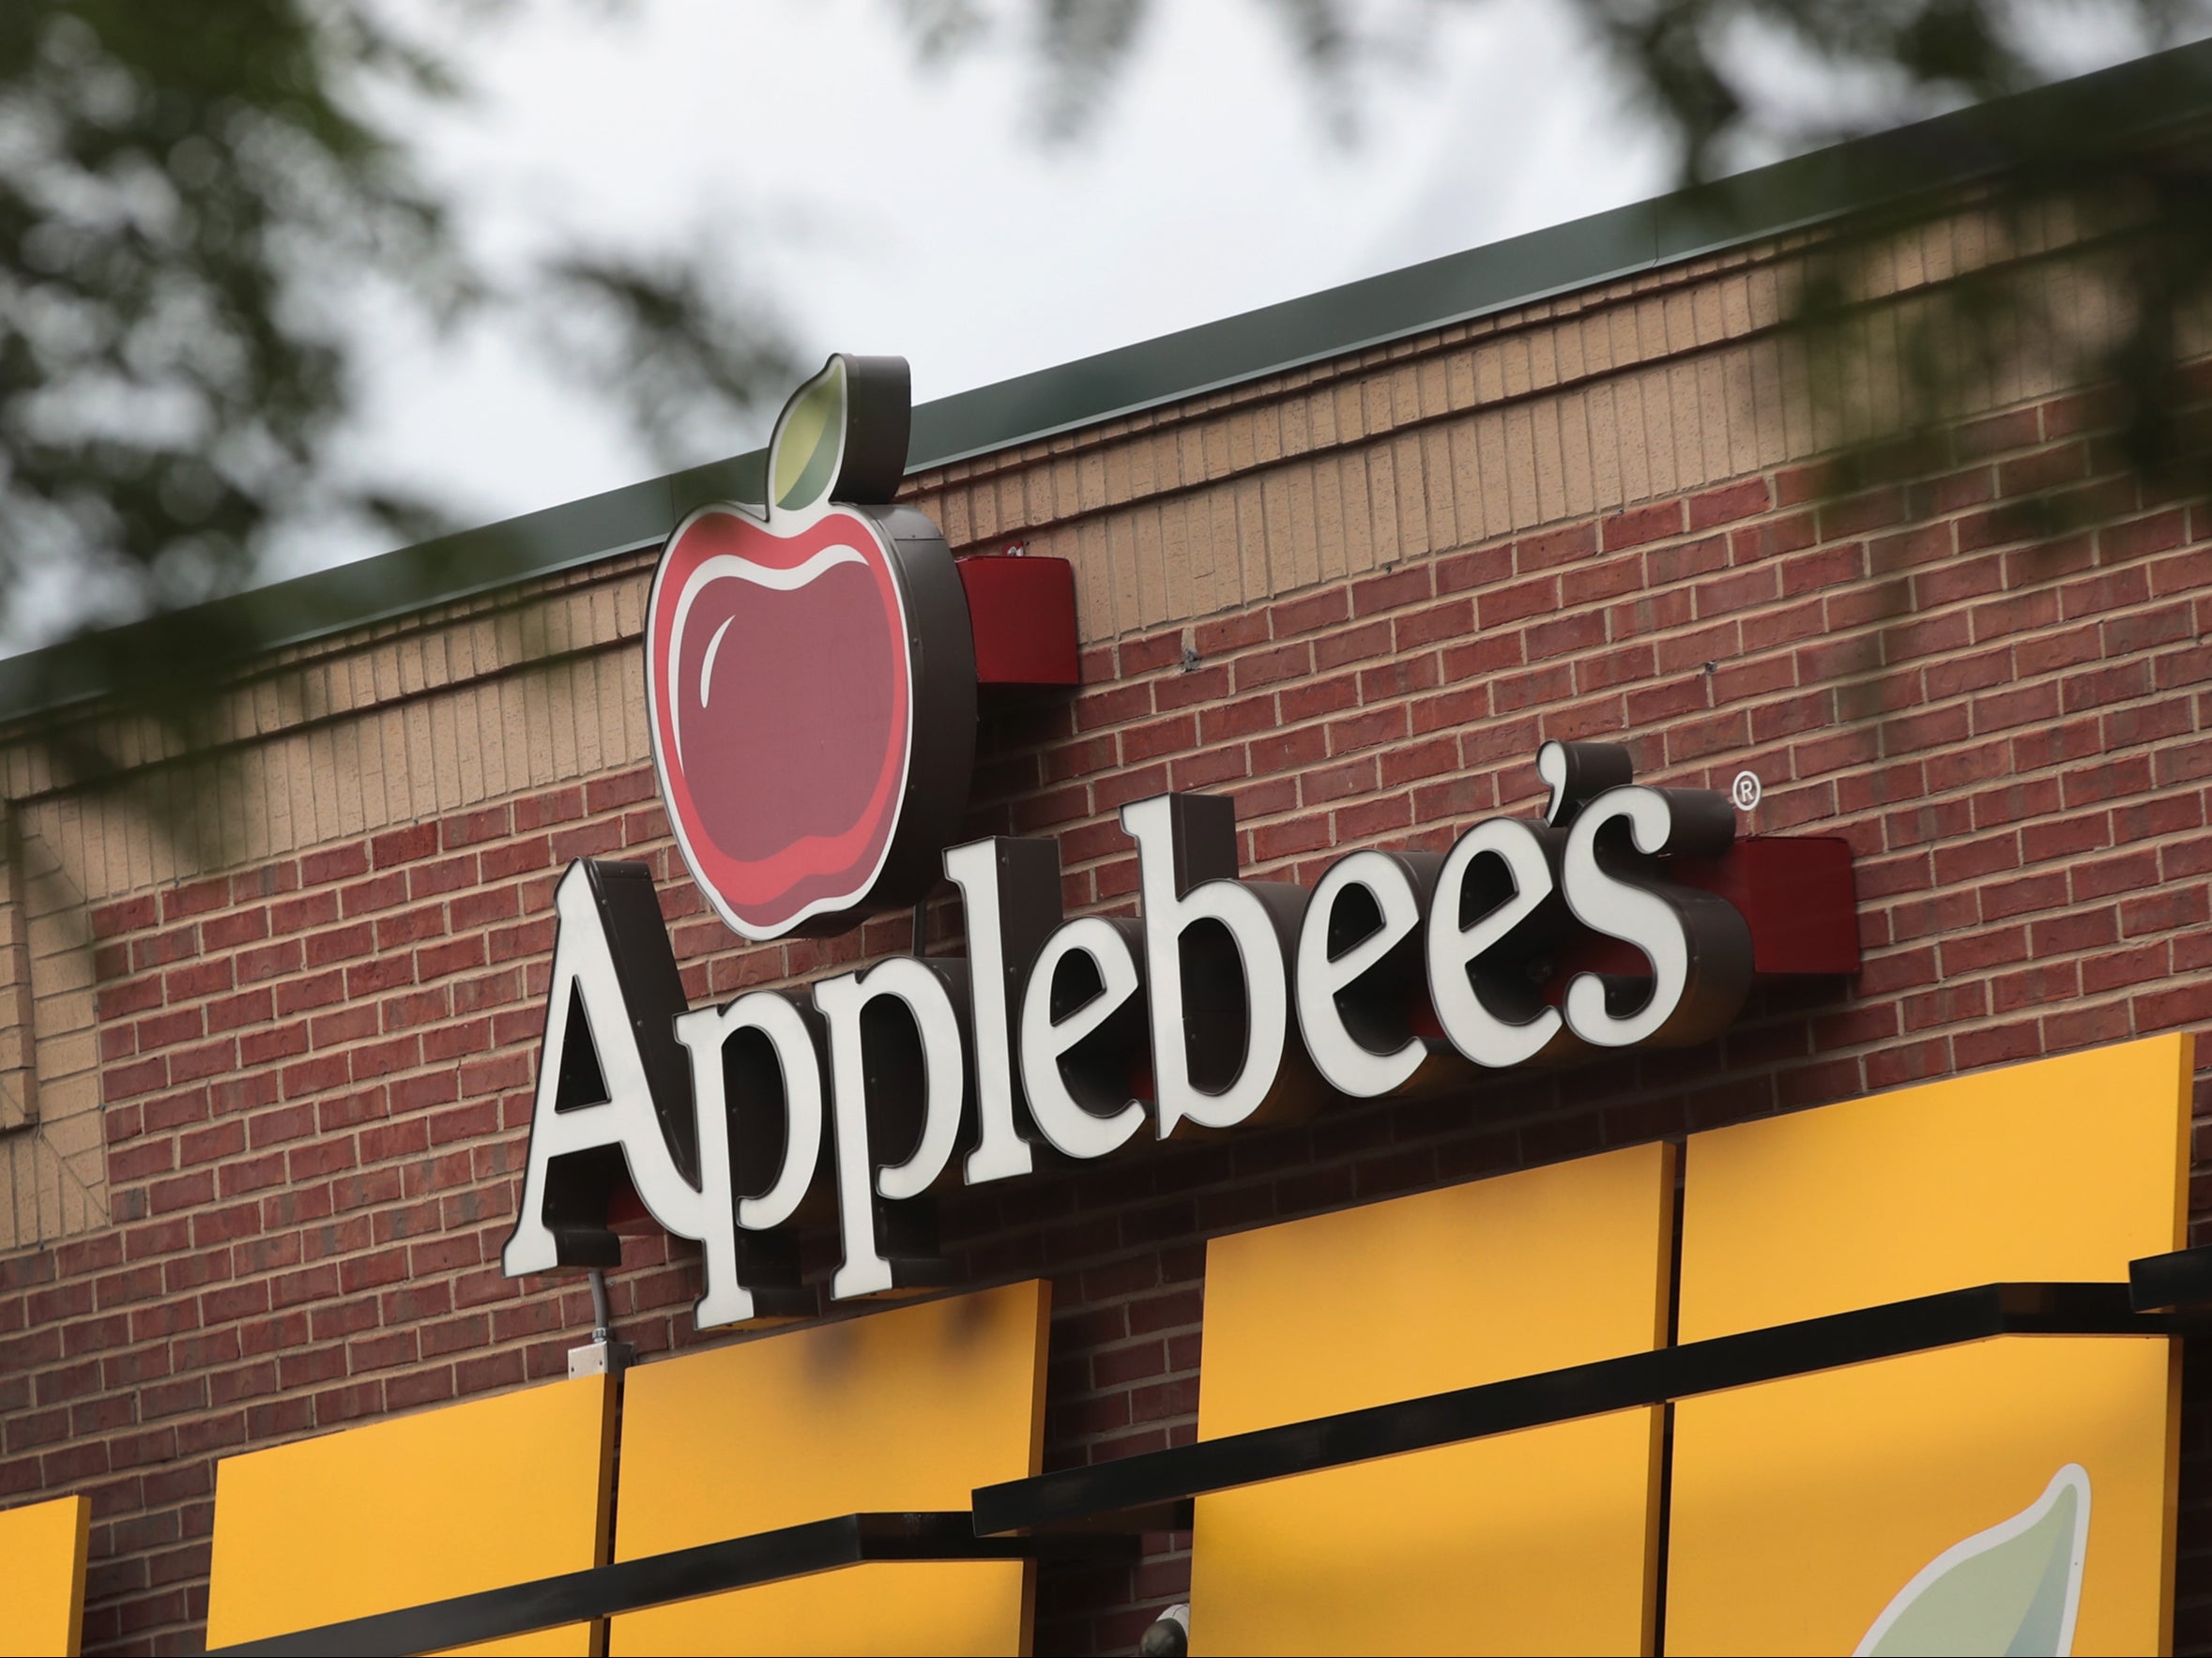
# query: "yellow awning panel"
1535,1542
909,1408
393,1514
2061,1170
2014,1495
42,1576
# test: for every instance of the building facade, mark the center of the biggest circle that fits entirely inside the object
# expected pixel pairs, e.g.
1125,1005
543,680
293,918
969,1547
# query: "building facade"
264,1116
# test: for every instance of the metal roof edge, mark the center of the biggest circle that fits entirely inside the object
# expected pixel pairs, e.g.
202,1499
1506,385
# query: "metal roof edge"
1752,207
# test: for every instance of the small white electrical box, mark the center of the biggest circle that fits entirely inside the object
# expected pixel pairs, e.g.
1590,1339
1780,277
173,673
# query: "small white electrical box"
601,1358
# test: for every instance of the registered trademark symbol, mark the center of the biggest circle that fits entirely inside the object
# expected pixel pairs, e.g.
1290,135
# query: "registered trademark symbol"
1746,790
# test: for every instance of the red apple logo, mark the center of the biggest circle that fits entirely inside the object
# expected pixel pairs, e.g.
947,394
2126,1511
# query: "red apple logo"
810,674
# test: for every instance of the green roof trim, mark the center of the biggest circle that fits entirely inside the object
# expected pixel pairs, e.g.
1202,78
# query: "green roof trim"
2160,91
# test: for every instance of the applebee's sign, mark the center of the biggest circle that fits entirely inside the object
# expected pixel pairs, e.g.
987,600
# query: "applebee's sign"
1222,1003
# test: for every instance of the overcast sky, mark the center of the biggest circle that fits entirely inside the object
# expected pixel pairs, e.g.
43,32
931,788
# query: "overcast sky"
878,203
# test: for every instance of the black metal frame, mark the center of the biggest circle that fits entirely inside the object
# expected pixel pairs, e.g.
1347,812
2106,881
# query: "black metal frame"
1100,1509
2178,1282
1154,1491
657,1580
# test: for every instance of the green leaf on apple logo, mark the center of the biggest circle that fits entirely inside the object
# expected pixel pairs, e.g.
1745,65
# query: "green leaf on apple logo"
809,439
2013,1589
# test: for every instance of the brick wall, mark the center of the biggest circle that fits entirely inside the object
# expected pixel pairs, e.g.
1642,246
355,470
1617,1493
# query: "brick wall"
316,1068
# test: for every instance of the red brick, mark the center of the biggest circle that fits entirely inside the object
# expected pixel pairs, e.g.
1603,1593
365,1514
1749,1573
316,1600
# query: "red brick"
1726,505
1632,527
198,898
1288,617
501,863
1393,590
129,915
1506,605
1270,667
622,789
1479,567
437,961
1113,707
1318,697
1666,566
1453,618
338,864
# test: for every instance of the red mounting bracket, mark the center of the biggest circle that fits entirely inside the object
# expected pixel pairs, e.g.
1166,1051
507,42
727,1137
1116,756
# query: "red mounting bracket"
1794,892
1022,612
